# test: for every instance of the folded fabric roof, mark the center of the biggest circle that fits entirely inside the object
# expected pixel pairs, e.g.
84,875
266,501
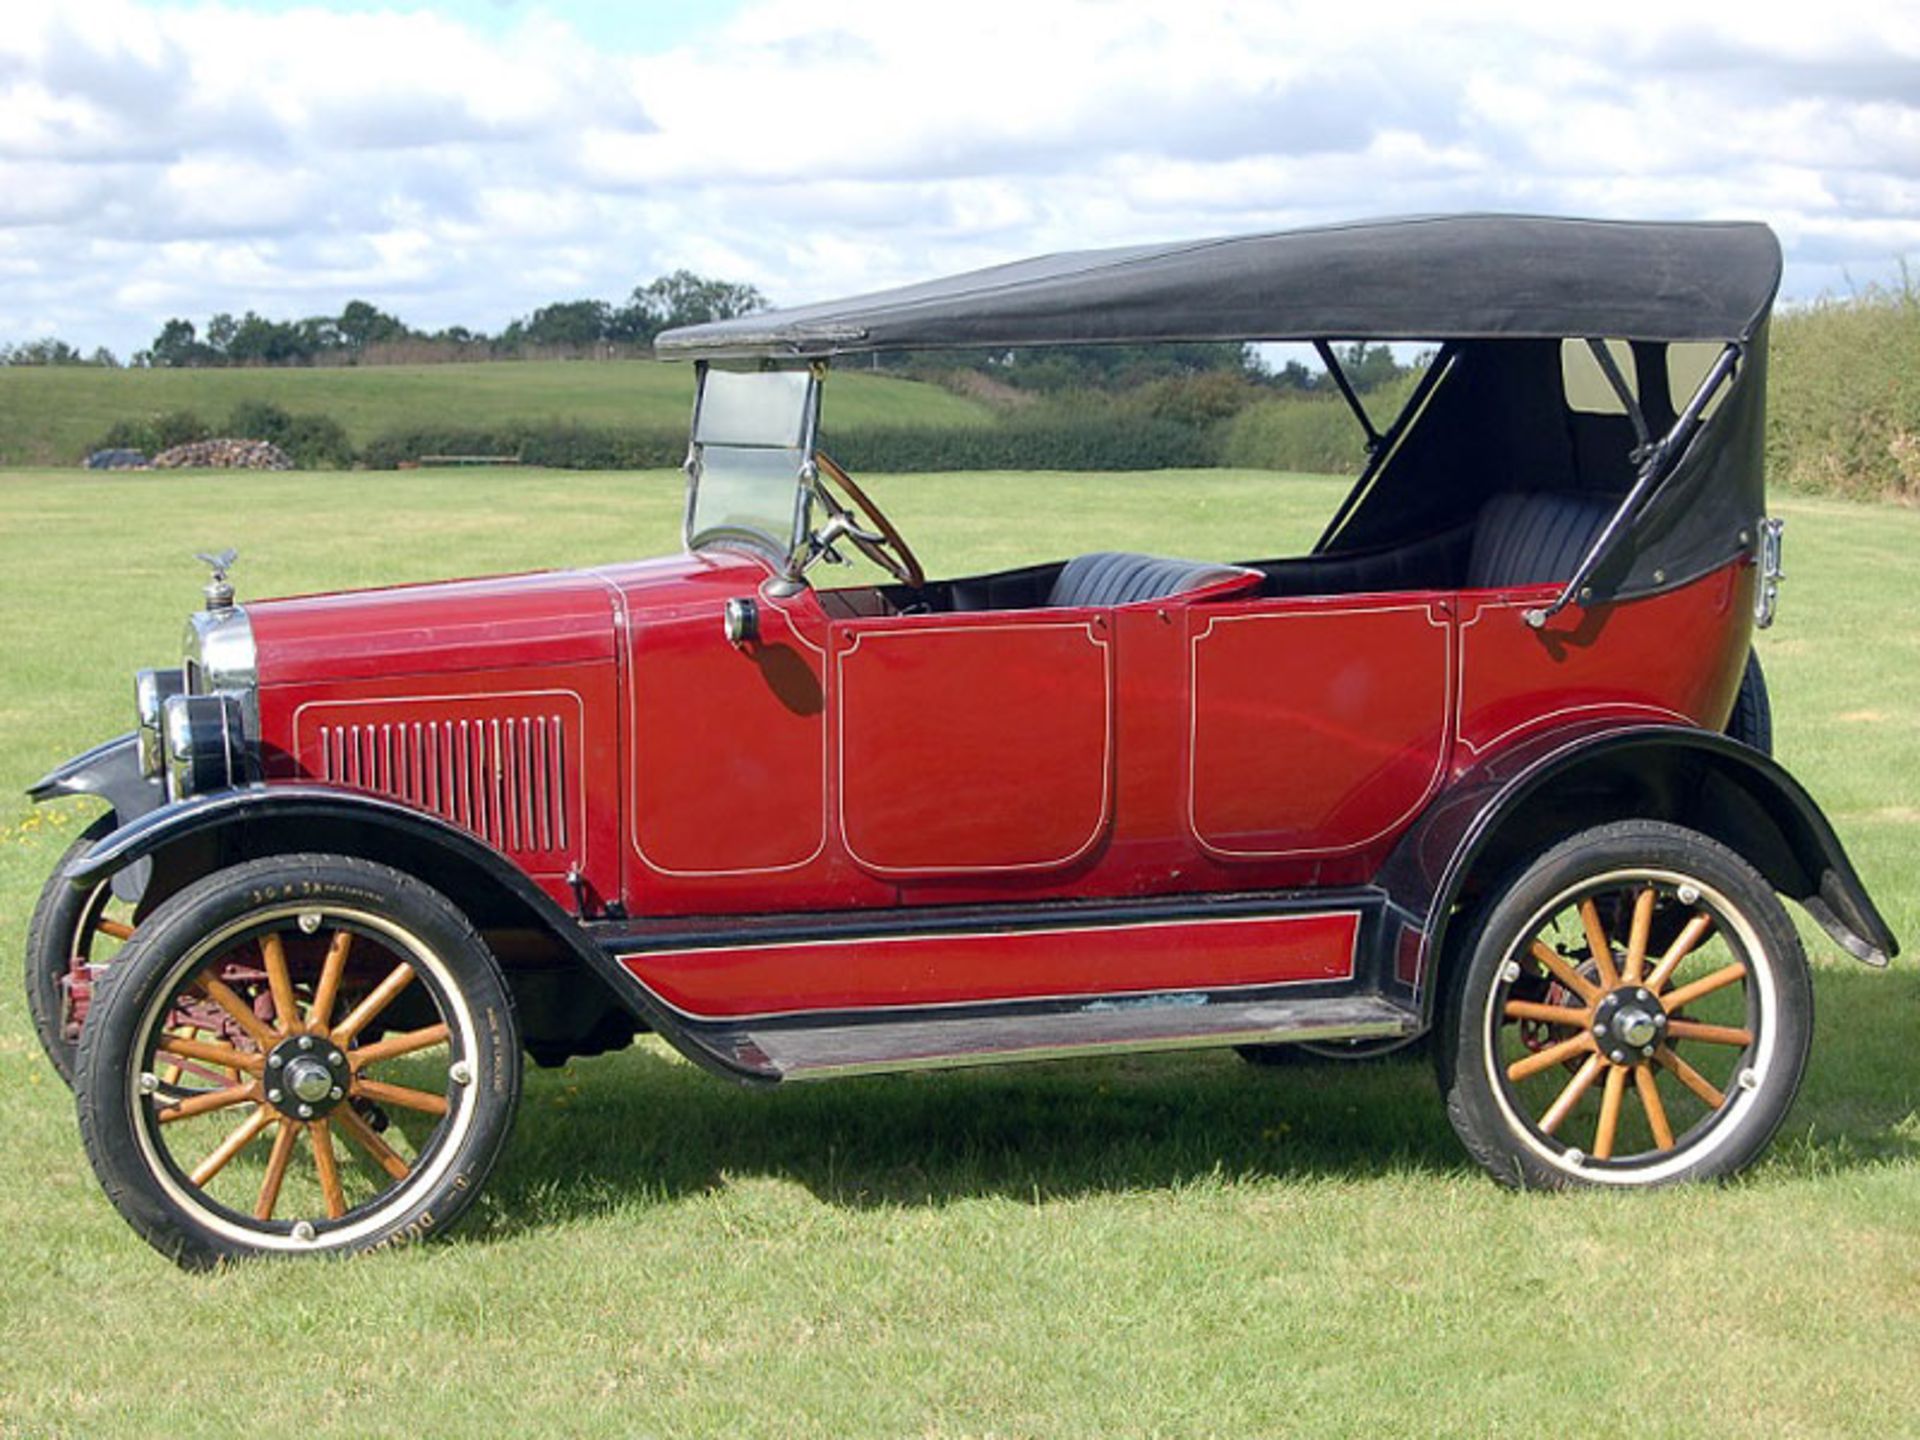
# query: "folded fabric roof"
1437,277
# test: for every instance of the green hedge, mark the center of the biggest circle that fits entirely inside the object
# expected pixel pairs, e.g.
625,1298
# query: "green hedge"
1103,441
1171,425
557,446
1106,441
1843,396
1317,435
312,441
150,434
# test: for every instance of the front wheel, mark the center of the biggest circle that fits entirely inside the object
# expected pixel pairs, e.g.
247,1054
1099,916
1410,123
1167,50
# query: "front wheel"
1576,1051
302,1054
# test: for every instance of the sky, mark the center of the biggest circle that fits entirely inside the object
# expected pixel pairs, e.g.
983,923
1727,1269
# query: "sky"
466,161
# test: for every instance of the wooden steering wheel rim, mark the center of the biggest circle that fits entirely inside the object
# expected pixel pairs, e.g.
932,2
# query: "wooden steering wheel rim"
903,564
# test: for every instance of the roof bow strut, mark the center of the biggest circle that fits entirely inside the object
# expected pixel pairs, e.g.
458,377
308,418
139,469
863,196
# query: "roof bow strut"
1658,460
1630,402
1327,358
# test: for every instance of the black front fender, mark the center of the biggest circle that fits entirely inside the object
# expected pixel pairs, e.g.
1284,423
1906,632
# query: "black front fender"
167,825
110,770
263,819
1526,798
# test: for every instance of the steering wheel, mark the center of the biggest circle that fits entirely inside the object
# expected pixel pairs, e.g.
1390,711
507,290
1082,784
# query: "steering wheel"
885,548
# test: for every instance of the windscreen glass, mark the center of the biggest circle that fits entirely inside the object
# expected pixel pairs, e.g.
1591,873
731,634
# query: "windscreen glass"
750,438
759,408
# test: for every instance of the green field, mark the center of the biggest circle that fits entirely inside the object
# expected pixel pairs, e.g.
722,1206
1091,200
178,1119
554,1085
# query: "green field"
51,416
1151,1246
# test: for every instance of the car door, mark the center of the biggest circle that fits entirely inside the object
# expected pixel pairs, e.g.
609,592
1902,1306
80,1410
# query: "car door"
973,744
1318,727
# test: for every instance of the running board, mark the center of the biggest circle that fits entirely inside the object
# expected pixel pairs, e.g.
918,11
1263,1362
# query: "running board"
933,1041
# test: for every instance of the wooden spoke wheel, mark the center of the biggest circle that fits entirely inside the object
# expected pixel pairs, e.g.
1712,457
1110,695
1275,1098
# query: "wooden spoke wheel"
301,1054
71,932
1635,1010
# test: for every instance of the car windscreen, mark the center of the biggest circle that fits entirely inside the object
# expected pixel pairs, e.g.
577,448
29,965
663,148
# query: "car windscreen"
751,437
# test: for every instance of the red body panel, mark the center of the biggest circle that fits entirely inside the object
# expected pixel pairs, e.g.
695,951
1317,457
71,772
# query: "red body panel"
1674,656
1198,745
729,750
1058,963
713,825
551,618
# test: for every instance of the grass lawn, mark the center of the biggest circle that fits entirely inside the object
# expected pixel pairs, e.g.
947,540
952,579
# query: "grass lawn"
1167,1246
52,415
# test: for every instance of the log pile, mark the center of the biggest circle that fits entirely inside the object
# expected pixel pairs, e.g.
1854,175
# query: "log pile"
224,455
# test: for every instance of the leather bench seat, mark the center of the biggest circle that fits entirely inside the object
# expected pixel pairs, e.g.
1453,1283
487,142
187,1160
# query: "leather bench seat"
1534,538
1114,577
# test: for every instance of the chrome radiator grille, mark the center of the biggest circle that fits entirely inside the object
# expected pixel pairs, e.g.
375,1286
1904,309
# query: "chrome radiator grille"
503,778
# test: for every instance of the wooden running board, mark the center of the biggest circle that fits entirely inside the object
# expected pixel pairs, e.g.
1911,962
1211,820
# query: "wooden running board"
807,1052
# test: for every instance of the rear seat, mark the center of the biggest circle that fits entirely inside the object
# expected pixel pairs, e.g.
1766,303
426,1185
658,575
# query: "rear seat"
1535,538
1519,538
1112,577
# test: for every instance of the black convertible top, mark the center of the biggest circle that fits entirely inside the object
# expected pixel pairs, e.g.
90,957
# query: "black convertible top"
1454,277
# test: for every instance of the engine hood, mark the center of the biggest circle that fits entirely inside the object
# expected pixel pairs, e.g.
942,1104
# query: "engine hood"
548,617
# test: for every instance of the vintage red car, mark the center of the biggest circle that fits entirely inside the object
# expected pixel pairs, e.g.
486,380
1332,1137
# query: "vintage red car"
1464,770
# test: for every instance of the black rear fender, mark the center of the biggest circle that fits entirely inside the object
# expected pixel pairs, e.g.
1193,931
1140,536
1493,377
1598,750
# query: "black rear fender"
1515,805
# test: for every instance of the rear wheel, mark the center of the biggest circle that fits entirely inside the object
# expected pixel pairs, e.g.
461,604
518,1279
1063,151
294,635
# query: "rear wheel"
1751,722
301,1054
1310,1052
1575,1051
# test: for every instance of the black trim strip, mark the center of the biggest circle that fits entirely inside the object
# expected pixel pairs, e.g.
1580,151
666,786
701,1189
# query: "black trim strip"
704,932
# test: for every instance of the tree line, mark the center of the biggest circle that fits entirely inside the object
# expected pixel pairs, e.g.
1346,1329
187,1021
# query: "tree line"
1229,375
362,330
55,352
682,298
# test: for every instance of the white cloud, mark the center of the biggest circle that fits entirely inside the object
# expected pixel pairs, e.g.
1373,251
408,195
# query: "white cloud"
181,160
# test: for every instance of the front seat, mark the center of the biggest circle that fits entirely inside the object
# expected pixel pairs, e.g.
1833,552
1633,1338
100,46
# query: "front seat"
1114,577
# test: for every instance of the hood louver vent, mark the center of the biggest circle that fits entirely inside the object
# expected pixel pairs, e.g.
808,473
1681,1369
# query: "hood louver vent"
504,778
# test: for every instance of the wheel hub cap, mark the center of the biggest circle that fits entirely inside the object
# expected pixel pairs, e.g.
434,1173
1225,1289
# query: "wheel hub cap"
309,1079
1627,1024
1635,1026
306,1077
